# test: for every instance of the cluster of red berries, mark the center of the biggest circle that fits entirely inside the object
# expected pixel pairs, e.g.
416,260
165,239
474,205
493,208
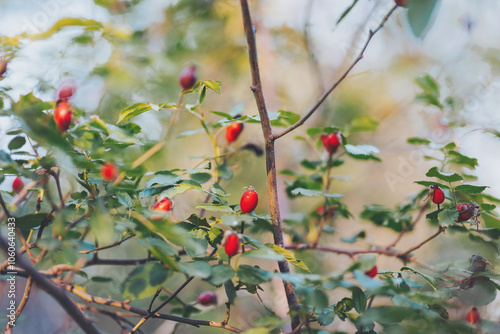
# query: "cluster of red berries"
465,211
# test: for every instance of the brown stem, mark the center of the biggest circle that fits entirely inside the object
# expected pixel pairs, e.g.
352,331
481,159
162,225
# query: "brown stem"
54,291
125,306
439,231
270,154
114,244
4,206
325,204
336,83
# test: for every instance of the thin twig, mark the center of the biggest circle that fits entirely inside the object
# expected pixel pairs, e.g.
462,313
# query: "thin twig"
342,77
22,304
439,231
114,244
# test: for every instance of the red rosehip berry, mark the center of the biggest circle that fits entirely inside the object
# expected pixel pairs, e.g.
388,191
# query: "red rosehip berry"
207,298
66,90
473,316
401,3
109,171
372,272
164,204
465,212
187,78
331,142
232,245
233,132
436,194
3,67
17,185
63,115
249,200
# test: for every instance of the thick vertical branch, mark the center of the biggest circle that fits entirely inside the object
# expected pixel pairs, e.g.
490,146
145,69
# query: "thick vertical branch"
272,187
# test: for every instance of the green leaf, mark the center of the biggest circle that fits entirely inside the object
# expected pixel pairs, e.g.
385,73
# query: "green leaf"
362,152
461,159
428,99
352,239
314,193
201,177
431,280
197,268
286,118
363,123
348,9
263,253
144,280
470,189
30,221
359,300
326,319
124,198
101,279
427,83
418,141
213,85
17,143
448,216
446,177
482,292
289,256
419,16
221,273
253,275
133,111
230,291
203,94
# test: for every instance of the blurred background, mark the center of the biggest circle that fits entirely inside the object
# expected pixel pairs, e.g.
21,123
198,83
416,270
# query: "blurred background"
138,55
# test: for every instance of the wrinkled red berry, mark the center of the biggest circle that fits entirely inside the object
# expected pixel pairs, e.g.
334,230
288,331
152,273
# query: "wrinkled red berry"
401,3
66,90
63,115
109,171
164,204
232,245
331,142
249,200
465,212
436,194
233,131
17,185
207,298
473,316
372,272
187,78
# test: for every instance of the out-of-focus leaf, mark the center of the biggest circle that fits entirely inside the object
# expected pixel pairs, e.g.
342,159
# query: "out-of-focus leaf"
144,280
17,143
419,16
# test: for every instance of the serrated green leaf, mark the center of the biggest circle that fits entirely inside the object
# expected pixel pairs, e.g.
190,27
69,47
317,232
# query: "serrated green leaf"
133,111
448,216
221,273
447,177
289,256
359,300
470,189
253,275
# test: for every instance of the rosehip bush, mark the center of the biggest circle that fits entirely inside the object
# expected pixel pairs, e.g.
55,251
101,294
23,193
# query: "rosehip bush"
355,222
